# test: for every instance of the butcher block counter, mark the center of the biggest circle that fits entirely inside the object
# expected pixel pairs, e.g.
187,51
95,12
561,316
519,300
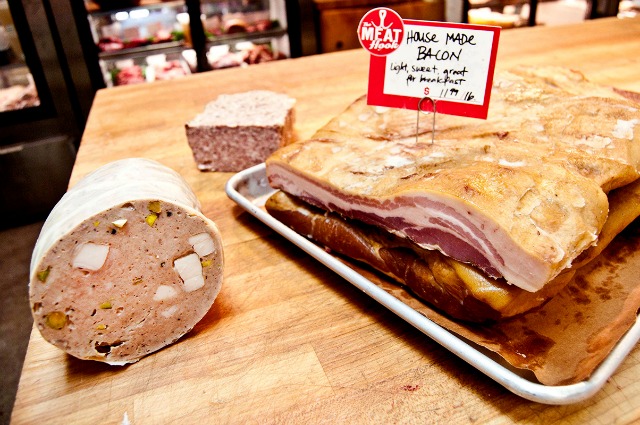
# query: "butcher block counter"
287,340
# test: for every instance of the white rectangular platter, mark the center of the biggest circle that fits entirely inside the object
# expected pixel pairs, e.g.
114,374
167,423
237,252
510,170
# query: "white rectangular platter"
250,190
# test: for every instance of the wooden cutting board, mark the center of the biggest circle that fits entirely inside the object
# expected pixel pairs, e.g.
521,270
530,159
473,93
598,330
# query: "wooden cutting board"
288,341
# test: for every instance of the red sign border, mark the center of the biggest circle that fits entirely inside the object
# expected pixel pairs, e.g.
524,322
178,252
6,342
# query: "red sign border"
378,66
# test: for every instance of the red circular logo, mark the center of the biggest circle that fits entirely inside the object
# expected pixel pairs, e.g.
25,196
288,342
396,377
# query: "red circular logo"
381,31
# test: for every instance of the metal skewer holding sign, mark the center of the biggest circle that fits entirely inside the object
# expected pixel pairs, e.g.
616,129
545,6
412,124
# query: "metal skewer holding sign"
433,127
413,61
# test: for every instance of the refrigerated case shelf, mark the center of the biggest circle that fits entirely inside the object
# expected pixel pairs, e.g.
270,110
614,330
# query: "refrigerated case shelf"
14,65
179,46
95,10
246,36
152,49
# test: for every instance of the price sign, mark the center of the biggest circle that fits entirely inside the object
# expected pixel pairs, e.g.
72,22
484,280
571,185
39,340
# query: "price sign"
450,63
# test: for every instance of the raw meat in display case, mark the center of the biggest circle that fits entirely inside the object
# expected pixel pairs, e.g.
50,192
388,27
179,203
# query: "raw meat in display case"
229,33
159,67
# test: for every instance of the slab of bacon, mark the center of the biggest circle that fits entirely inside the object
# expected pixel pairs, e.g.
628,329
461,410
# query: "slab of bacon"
519,196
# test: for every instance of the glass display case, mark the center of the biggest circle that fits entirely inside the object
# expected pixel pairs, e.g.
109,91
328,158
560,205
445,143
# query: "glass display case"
18,90
34,91
139,43
41,121
244,32
148,40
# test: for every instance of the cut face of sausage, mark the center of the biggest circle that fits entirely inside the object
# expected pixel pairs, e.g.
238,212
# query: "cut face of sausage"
128,280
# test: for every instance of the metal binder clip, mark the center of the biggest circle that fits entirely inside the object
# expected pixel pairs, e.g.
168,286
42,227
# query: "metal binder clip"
433,129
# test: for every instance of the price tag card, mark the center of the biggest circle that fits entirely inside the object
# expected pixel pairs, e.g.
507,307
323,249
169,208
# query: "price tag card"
449,63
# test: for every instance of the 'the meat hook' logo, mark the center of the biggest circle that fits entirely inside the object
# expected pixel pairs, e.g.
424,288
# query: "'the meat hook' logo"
381,31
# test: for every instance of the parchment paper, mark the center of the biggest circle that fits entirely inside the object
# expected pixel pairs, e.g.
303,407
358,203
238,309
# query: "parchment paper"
565,340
